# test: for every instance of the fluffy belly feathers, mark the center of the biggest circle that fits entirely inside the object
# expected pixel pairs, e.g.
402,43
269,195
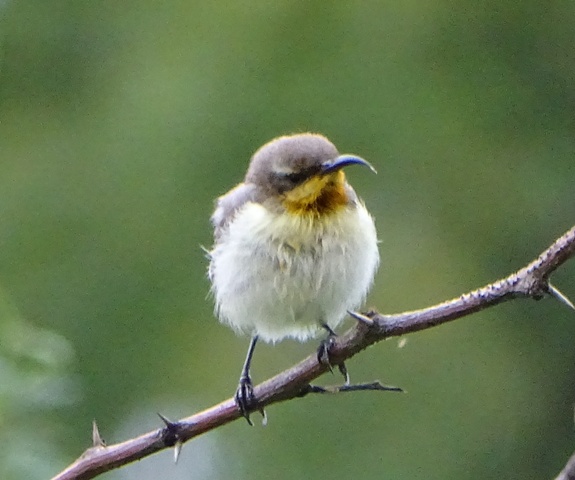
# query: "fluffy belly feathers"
281,276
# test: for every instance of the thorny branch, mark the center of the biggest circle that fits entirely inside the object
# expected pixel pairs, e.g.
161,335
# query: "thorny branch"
532,281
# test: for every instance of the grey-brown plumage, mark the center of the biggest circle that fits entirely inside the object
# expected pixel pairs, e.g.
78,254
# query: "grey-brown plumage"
294,246
274,169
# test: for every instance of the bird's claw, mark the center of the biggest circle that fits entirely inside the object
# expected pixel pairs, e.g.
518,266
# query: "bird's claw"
323,356
323,351
245,397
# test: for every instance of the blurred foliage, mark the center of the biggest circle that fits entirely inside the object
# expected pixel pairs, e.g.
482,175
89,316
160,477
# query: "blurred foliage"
120,122
34,366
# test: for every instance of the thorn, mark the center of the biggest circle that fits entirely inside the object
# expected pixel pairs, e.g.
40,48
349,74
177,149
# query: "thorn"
177,450
553,291
171,435
360,317
96,438
378,386
343,370
264,417
359,387
169,424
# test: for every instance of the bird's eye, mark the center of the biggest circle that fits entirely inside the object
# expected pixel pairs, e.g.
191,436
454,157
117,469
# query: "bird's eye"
296,177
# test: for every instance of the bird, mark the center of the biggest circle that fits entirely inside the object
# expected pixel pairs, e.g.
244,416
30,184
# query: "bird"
294,248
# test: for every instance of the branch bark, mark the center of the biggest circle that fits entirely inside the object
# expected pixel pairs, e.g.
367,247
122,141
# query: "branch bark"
532,281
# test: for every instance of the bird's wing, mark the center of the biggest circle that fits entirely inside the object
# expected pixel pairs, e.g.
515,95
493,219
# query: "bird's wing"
227,205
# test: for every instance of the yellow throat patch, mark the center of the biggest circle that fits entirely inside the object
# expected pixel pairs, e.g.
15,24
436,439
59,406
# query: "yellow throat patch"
317,196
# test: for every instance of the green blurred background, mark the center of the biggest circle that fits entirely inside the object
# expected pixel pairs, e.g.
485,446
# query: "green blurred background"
120,122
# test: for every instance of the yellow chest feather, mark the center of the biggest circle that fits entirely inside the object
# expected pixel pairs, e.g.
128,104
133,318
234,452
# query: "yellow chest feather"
317,196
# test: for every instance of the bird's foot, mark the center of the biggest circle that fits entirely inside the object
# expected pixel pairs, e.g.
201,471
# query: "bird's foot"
323,354
245,397
246,400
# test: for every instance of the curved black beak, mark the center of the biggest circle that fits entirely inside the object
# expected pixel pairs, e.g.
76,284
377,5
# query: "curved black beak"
343,161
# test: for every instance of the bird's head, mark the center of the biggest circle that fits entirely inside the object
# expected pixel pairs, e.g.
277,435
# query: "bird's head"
302,173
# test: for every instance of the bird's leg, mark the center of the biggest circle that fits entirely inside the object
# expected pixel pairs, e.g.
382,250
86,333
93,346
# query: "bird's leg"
245,393
323,352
